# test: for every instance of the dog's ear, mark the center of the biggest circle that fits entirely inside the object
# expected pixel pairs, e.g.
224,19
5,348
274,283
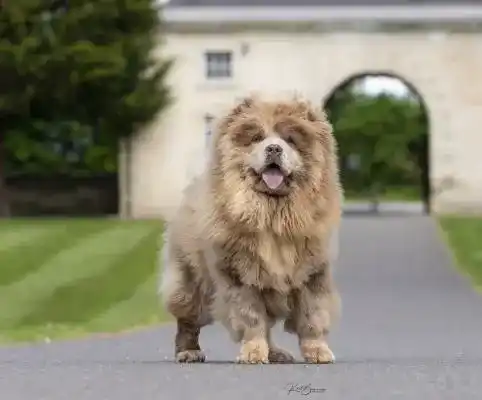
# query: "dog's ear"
318,119
307,111
312,115
245,104
235,113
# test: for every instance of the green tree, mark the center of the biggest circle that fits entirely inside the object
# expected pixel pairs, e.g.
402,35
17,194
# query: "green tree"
381,135
88,74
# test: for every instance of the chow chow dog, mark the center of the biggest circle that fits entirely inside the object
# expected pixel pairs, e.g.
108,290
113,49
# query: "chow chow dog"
254,238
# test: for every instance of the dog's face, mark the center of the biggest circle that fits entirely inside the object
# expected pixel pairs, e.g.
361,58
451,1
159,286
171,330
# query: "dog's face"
275,148
273,160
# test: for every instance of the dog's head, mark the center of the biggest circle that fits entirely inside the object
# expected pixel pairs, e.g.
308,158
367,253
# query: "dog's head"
275,148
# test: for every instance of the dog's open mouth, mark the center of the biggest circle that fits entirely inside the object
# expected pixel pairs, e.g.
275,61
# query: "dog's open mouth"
273,176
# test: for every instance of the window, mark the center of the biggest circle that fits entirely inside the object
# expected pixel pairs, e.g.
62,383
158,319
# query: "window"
218,64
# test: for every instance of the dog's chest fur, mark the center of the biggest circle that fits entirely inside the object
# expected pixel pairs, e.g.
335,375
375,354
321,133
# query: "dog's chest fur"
281,264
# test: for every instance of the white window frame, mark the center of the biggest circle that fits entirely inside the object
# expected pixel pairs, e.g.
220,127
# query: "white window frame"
218,64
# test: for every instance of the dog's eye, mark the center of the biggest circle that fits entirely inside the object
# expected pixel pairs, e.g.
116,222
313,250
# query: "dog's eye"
251,133
257,138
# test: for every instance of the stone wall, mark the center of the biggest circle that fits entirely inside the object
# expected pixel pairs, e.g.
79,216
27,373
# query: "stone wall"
63,195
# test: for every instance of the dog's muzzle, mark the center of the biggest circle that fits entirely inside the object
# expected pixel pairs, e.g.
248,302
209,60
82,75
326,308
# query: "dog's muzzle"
273,175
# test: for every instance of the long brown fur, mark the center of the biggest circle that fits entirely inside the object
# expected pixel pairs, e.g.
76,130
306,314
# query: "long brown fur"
247,260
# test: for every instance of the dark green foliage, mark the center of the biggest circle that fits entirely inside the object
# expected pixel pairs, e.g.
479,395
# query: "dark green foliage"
92,64
72,82
381,140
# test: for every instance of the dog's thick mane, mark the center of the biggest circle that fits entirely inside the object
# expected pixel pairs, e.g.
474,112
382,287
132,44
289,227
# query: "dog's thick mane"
237,206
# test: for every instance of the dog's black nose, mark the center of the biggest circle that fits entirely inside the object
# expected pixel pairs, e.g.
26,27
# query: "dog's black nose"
274,149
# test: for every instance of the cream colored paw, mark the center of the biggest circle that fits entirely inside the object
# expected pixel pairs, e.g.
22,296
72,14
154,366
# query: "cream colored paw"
254,352
316,352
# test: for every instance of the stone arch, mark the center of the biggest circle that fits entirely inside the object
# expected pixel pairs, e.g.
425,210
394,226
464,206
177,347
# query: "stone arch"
424,151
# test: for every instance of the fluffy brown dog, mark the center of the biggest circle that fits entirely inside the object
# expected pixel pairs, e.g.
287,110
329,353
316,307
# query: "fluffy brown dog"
250,244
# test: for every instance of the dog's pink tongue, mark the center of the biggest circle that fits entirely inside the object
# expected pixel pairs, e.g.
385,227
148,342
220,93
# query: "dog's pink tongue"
273,178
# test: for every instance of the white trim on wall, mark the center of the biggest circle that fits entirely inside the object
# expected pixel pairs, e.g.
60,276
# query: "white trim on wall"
392,14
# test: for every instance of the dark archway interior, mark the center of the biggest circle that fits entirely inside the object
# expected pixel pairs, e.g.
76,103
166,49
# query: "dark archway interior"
382,126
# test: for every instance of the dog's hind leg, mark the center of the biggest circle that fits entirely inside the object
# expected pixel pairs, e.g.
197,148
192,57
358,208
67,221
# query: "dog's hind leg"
183,300
182,296
187,347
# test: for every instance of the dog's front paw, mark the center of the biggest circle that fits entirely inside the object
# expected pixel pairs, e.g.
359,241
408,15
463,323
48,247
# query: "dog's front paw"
190,356
317,352
254,352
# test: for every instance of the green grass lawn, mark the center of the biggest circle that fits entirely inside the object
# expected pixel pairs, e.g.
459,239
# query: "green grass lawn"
464,236
65,278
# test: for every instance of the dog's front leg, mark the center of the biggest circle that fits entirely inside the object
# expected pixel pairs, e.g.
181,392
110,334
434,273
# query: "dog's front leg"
313,308
242,311
238,305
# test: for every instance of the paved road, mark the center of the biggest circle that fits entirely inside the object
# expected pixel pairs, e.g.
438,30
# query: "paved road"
411,329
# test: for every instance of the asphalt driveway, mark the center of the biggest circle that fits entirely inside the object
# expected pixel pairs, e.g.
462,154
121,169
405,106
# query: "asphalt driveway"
411,328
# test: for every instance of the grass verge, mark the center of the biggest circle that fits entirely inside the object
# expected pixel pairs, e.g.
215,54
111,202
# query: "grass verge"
68,278
464,236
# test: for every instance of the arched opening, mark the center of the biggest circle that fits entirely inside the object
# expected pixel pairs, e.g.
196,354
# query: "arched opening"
382,126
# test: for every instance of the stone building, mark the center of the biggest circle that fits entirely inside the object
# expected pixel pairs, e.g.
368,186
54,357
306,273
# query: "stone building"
227,48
